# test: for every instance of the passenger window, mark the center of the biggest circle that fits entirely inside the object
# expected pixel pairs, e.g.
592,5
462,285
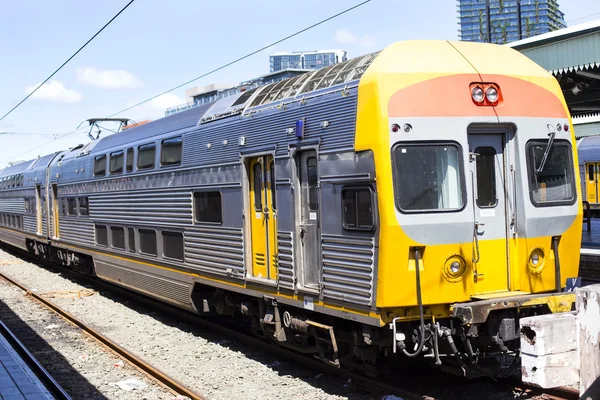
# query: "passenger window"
591,172
486,177
170,152
311,166
173,245
131,241
117,235
148,241
257,187
146,155
208,207
116,162
71,206
129,162
83,206
100,165
357,208
101,235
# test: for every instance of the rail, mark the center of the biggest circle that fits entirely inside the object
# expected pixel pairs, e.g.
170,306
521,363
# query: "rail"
587,215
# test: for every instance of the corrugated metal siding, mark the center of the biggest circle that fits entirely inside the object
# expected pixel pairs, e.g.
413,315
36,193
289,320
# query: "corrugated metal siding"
29,223
12,205
348,268
76,230
216,250
268,128
173,207
285,260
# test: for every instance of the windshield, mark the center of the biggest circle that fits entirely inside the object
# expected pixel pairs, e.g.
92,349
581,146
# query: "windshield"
555,183
428,177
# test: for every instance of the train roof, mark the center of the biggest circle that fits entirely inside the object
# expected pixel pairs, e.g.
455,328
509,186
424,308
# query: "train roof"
588,149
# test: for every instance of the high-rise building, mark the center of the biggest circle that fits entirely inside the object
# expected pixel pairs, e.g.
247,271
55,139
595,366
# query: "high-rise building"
503,21
306,59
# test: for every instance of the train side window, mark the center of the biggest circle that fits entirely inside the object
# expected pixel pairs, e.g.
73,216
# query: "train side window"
486,177
117,237
357,207
129,162
116,162
257,184
83,206
148,241
591,172
101,235
71,206
131,240
146,155
173,245
313,179
100,165
170,152
208,207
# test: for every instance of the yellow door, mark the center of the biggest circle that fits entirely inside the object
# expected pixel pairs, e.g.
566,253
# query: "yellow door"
262,210
592,182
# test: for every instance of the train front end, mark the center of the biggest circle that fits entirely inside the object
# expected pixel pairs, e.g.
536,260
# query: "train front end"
478,198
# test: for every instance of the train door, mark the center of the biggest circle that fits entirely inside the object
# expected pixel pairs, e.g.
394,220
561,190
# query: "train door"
488,173
308,202
263,217
592,182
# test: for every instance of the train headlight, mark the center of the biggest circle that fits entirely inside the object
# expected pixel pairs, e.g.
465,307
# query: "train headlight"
491,94
477,94
536,261
454,268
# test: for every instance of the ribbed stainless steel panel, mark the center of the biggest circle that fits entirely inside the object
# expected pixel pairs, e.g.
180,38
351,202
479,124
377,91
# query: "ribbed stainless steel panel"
151,207
29,223
285,260
76,230
348,268
145,281
12,205
216,250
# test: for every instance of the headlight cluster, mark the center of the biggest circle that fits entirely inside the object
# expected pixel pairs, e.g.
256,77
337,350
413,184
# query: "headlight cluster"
536,261
454,268
485,94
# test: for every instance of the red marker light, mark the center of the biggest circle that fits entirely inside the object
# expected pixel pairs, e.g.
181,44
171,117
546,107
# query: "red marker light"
395,128
566,127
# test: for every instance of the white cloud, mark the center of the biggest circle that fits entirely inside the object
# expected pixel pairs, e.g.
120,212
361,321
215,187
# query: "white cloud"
344,36
54,91
107,79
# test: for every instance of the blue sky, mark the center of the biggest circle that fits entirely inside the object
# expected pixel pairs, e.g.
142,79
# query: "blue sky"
155,45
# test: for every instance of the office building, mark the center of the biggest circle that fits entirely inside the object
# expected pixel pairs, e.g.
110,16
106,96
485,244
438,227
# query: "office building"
306,59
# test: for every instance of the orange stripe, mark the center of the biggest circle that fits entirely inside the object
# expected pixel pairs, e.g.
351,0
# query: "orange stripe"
449,96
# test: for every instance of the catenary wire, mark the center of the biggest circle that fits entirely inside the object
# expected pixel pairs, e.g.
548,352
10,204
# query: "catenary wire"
66,62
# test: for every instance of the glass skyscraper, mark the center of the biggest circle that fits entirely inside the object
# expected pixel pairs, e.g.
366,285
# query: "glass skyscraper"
306,59
505,17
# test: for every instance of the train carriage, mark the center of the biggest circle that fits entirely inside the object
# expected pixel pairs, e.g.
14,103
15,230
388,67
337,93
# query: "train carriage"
416,200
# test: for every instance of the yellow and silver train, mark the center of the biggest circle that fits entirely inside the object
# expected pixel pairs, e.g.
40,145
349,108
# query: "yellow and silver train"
415,202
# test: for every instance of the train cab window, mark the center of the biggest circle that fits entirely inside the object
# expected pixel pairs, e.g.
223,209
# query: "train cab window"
170,152
207,207
71,206
173,245
428,177
146,155
311,168
129,161
131,239
590,172
117,237
486,177
148,241
552,183
116,162
100,165
101,235
357,207
83,206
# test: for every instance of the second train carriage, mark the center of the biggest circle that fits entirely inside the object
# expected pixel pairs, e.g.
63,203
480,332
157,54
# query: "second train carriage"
415,200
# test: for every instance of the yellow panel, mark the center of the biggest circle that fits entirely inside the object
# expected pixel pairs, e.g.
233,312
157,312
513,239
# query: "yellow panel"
257,219
272,221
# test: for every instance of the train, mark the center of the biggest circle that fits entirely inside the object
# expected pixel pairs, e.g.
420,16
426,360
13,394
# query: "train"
408,205
589,169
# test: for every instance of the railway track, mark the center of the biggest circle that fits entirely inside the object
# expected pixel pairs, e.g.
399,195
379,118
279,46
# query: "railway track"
404,389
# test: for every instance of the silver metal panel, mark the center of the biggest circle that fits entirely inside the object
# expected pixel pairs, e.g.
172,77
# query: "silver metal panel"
215,250
75,230
348,267
29,224
285,260
12,205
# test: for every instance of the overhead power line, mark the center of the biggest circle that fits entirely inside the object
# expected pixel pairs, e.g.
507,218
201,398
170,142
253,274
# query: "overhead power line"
207,73
66,62
245,56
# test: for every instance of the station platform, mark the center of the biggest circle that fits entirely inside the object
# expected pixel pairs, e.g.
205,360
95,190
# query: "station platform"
17,379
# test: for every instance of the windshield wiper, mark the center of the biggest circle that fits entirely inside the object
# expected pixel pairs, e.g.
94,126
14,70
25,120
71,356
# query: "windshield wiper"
552,134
